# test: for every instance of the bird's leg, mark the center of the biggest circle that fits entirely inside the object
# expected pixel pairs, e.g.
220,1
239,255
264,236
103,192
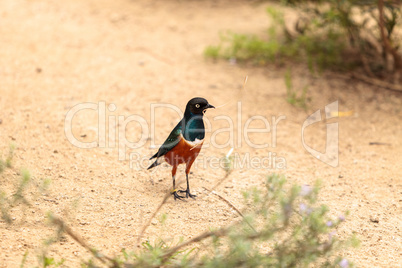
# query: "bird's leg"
174,191
188,194
187,191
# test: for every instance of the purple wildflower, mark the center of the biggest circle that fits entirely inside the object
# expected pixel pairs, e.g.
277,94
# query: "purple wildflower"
330,235
344,263
305,190
305,209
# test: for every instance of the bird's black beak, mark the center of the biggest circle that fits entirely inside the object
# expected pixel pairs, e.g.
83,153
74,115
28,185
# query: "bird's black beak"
210,106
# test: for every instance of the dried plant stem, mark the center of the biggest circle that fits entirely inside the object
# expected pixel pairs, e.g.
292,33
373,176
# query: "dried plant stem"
372,81
198,238
216,185
233,207
377,82
61,224
386,42
217,233
165,198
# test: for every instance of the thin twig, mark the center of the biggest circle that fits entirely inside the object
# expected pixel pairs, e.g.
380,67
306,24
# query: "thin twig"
233,207
387,44
217,233
97,254
200,237
377,82
165,198
373,81
217,184
366,65
379,143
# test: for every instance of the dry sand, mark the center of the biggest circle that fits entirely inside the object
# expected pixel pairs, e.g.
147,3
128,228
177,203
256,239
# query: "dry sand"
57,54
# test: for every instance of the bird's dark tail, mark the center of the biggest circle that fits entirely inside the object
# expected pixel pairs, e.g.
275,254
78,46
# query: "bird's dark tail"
154,164
155,155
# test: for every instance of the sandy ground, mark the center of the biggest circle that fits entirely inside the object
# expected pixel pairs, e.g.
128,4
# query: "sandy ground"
57,54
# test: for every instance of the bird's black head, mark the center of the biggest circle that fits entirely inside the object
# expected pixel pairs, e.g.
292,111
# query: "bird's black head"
197,106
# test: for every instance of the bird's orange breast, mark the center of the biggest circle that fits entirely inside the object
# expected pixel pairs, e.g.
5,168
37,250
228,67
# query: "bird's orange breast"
183,152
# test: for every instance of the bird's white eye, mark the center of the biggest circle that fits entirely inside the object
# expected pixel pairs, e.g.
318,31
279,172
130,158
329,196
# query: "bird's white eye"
197,106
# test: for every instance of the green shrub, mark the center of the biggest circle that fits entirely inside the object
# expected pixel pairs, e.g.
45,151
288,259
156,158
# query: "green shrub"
337,35
292,97
321,49
281,227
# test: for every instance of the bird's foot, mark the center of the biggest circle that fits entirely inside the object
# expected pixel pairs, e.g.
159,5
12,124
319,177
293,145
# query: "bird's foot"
188,194
176,195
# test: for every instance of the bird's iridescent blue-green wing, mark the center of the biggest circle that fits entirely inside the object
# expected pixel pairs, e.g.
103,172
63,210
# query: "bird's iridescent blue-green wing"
171,141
